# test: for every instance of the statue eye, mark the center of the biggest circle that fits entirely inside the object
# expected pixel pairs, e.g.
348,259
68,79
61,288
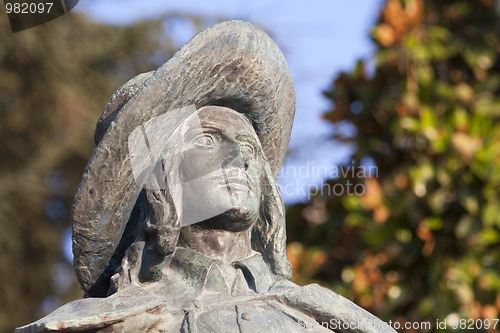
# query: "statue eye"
204,141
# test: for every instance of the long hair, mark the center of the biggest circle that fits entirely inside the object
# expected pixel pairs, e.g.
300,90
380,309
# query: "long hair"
158,215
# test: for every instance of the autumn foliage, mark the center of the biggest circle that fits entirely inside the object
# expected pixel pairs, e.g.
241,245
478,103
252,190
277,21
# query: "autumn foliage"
423,241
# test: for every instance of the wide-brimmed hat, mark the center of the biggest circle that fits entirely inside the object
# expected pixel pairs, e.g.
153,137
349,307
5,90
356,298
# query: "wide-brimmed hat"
233,64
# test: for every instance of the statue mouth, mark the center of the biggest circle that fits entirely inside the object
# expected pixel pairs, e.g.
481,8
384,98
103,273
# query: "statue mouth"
236,183
233,179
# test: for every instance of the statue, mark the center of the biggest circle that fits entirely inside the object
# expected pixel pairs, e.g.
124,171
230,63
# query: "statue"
178,223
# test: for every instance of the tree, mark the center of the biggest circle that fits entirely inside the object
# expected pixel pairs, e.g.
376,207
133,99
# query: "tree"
422,240
55,80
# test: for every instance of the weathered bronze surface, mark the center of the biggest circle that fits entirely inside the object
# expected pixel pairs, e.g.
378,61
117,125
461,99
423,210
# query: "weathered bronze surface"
178,222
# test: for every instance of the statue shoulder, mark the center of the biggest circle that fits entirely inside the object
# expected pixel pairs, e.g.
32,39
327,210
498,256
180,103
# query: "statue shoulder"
94,313
330,309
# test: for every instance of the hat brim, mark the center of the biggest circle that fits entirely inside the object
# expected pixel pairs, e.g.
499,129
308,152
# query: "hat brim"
233,64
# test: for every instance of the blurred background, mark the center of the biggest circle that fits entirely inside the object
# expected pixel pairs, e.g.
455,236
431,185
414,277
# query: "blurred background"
407,89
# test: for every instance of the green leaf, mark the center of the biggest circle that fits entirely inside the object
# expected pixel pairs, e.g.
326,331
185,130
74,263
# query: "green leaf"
490,236
434,223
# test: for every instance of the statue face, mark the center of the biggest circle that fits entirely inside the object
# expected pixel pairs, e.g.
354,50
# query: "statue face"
220,170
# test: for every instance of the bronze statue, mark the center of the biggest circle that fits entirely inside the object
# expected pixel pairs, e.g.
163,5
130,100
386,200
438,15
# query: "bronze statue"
178,223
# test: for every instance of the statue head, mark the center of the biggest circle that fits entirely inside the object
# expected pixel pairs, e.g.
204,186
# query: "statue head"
234,67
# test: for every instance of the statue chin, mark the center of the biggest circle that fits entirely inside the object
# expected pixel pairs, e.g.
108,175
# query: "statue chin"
232,207
236,219
224,212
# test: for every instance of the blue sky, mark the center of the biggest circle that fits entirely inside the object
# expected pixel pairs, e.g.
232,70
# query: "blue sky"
319,38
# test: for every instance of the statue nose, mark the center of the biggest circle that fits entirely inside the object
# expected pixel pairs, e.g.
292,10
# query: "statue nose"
236,158
234,172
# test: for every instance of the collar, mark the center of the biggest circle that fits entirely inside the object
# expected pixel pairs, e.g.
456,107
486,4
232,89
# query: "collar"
202,272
